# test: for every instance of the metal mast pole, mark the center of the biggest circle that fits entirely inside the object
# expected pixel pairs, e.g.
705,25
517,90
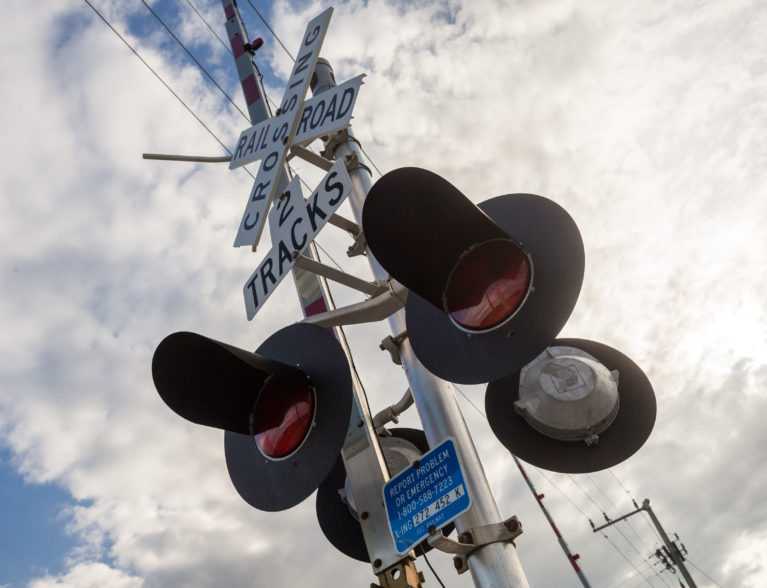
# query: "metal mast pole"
563,544
493,564
362,454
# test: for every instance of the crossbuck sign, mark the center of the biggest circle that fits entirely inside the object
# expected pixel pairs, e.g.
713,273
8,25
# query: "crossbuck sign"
295,222
271,139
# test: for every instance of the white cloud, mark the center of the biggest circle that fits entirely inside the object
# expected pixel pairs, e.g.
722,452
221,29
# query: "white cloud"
92,575
645,122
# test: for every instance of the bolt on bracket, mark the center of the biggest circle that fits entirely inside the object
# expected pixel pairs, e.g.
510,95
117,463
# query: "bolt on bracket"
391,344
475,538
358,248
401,575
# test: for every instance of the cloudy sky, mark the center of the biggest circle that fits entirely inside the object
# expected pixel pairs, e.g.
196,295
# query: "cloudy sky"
645,120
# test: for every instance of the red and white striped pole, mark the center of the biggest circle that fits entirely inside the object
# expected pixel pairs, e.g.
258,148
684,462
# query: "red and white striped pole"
571,558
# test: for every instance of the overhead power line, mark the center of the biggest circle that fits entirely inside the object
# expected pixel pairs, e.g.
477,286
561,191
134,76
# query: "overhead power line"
266,24
162,81
202,18
193,58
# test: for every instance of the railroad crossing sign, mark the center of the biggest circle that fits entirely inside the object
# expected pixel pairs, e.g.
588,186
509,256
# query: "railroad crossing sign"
296,224
270,140
321,115
279,141
426,497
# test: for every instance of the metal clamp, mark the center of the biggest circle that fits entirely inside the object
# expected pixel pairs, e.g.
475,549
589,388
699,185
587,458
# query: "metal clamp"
333,141
391,344
401,575
475,538
352,162
358,248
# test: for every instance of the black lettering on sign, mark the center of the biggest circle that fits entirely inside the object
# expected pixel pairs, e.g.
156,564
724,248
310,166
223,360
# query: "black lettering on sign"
346,102
240,145
285,207
301,65
262,137
266,272
334,186
317,116
305,116
251,144
271,160
280,133
296,245
314,211
311,36
248,225
290,105
251,285
331,112
259,191
284,255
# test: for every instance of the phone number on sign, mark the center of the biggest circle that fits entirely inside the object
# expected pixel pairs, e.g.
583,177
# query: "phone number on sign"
438,504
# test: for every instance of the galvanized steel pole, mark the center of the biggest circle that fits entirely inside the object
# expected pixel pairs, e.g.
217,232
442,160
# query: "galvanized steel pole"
491,565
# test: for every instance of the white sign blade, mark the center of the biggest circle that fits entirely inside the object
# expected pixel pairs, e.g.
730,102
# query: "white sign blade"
297,224
321,115
328,112
256,141
260,199
291,197
254,217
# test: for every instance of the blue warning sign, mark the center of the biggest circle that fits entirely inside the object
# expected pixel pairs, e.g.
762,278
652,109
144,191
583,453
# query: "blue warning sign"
431,494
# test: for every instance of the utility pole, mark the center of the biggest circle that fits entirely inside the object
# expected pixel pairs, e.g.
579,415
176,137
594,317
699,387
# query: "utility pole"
671,548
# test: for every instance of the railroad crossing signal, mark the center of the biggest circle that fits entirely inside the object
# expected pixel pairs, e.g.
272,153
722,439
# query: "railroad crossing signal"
580,407
490,288
285,408
490,285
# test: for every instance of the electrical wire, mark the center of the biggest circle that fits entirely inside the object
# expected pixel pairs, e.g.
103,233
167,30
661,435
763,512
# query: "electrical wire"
549,480
623,555
370,159
290,169
193,58
558,489
644,558
271,30
135,52
617,528
621,580
587,495
428,563
277,38
627,521
634,502
202,18
590,478
687,559
163,82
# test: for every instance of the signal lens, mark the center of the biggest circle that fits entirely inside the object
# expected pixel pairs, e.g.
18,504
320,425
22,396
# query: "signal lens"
282,416
488,285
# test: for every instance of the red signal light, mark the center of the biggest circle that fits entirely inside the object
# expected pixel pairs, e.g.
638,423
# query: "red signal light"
282,416
488,285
